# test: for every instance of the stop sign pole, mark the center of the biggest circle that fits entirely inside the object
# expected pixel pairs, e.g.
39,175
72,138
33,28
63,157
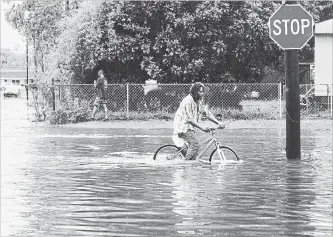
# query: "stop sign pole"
293,126
293,137
291,27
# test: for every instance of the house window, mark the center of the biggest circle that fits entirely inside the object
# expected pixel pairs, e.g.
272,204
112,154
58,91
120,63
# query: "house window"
5,80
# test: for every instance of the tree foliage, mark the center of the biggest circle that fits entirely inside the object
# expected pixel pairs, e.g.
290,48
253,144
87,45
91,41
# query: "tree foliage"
172,42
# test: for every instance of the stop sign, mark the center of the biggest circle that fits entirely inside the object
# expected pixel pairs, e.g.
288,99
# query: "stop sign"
291,26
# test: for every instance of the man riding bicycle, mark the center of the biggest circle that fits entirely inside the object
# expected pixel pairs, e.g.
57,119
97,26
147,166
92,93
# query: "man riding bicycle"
188,116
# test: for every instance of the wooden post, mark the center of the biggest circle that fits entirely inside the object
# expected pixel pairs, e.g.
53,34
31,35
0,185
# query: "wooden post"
293,141
27,61
53,94
331,91
127,101
280,99
328,96
59,95
293,136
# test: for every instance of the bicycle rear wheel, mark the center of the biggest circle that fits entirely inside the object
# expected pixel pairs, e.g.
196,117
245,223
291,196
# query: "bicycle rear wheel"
168,152
226,153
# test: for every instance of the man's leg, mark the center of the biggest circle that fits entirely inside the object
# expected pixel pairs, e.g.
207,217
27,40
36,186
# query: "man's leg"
96,103
184,152
105,111
193,144
94,112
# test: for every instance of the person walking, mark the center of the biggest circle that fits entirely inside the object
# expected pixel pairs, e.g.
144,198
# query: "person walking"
101,99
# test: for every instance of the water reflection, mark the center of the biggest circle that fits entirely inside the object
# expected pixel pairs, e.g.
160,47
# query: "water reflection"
299,198
190,202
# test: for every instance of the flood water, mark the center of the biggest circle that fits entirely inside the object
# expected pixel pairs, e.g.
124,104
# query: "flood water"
62,181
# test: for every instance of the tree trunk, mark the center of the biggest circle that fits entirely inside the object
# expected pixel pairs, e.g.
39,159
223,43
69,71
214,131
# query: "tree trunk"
35,54
42,61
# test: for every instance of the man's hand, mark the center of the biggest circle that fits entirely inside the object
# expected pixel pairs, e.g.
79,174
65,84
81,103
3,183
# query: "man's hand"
205,129
221,125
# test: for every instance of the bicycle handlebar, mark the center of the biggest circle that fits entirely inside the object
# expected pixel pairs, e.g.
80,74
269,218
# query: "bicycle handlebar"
213,129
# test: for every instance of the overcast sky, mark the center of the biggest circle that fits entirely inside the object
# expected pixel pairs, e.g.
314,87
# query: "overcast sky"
10,38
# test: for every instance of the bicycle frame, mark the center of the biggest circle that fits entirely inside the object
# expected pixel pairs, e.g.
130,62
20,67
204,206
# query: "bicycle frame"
209,142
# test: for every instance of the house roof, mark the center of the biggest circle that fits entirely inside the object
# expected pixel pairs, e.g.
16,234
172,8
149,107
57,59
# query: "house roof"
324,27
16,74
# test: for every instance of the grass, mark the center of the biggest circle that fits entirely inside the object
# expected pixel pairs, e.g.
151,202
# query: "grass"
134,115
252,110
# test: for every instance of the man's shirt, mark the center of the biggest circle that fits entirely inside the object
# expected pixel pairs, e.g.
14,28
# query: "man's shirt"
188,110
101,86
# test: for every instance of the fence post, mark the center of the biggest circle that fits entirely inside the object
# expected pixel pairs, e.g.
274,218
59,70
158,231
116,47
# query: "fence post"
127,100
59,92
280,99
331,105
53,94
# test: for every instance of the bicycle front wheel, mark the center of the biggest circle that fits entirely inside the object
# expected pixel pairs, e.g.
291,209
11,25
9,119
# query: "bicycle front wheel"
168,152
225,153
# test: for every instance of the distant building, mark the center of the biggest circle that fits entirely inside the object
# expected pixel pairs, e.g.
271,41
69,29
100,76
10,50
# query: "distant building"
305,73
15,77
323,57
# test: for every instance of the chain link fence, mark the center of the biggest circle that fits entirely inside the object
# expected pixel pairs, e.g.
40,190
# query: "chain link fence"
315,100
227,100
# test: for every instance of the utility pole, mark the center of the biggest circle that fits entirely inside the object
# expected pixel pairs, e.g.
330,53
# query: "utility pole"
27,60
293,140
293,136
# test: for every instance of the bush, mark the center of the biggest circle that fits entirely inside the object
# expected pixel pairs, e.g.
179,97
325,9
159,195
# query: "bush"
248,113
136,98
70,113
154,99
67,116
140,116
164,99
226,98
41,101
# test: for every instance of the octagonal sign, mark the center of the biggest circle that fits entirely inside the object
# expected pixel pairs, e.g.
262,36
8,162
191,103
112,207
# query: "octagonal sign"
291,26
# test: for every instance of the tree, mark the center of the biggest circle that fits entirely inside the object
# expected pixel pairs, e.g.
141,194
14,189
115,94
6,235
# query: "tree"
172,42
38,22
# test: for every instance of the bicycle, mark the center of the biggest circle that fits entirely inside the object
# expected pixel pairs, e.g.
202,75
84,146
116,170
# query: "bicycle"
221,153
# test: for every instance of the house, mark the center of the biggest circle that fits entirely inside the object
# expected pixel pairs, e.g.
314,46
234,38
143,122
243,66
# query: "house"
323,58
305,74
15,77
13,81
13,69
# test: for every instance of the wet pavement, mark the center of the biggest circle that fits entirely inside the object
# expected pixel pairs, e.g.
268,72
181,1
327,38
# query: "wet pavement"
74,181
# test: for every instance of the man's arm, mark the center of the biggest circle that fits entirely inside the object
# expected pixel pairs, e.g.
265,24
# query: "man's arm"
97,83
212,118
190,120
197,125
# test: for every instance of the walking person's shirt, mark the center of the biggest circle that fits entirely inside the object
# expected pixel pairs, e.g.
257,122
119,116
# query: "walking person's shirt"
101,86
188,110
